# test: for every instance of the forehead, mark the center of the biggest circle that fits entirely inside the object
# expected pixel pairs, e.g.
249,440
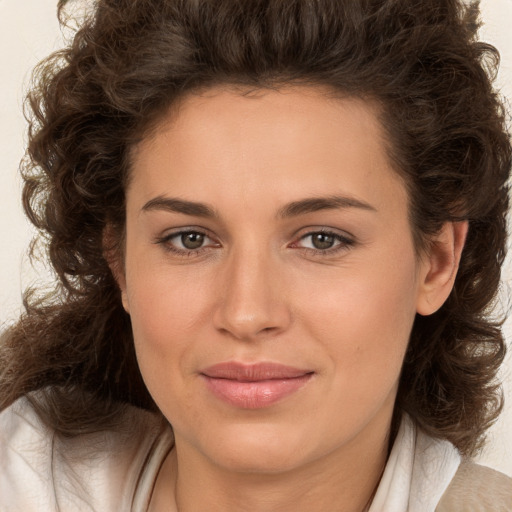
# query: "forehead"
248,110
233,143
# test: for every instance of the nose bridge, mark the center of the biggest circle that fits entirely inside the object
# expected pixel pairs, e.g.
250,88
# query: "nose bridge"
251,296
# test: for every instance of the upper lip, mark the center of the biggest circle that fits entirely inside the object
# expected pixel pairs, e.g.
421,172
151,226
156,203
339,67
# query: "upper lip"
233,370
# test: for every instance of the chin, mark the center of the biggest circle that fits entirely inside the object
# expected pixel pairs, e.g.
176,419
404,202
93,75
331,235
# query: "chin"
260,449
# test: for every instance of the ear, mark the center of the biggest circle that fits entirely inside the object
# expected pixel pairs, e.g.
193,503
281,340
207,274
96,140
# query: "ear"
439,267
112,253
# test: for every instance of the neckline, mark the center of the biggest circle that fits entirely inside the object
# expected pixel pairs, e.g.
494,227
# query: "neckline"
150,467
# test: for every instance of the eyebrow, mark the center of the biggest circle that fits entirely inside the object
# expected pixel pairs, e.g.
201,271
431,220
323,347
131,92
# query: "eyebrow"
293,209
314,204
172,204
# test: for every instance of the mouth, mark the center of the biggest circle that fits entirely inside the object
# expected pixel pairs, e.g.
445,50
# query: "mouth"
254,386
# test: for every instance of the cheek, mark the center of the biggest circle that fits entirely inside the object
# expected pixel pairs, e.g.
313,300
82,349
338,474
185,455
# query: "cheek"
162,299
364,317
165,318
166,310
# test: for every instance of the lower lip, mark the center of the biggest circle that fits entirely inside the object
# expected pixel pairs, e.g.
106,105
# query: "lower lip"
257,394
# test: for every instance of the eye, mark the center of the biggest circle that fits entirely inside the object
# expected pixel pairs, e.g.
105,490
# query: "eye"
191,240
186,243
323,242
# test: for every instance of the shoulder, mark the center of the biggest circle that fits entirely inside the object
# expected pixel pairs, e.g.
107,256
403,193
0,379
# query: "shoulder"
476,488
25,459
40,470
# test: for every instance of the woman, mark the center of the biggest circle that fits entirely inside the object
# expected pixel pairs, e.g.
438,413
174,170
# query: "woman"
277,229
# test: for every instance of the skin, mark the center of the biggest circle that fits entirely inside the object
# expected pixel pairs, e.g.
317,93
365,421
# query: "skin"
260,290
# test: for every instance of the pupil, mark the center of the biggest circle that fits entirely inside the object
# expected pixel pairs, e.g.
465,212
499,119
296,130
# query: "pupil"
192,240
323,241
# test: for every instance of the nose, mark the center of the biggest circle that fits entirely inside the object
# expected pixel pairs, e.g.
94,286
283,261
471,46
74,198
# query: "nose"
252,297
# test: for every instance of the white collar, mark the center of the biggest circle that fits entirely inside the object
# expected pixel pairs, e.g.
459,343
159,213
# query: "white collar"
418,472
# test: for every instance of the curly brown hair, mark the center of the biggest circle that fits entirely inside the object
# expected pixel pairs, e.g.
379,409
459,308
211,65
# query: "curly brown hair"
132,59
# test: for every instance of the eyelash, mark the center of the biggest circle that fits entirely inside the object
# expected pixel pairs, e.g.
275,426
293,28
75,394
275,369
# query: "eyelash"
165,242
343,243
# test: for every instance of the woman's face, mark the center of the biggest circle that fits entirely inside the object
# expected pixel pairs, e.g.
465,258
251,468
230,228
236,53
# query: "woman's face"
270,276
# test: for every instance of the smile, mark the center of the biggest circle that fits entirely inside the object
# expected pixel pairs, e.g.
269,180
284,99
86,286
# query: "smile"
254,386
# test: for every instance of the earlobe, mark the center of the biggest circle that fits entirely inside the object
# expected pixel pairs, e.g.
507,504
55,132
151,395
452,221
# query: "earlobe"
439,267
113,256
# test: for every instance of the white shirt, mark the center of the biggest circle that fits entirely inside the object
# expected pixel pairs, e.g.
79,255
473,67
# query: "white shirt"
115,471
418,472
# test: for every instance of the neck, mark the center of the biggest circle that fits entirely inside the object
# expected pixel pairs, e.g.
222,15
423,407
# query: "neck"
344,481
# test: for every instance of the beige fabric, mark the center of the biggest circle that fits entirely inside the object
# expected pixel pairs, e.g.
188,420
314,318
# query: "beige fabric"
476,488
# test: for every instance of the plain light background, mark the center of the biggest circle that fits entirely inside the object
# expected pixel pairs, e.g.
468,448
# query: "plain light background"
28,32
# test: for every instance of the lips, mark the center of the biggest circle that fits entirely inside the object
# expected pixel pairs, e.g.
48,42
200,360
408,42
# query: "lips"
256,385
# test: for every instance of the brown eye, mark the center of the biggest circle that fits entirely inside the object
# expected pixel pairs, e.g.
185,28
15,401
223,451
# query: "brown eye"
187,243
322,241
192,240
